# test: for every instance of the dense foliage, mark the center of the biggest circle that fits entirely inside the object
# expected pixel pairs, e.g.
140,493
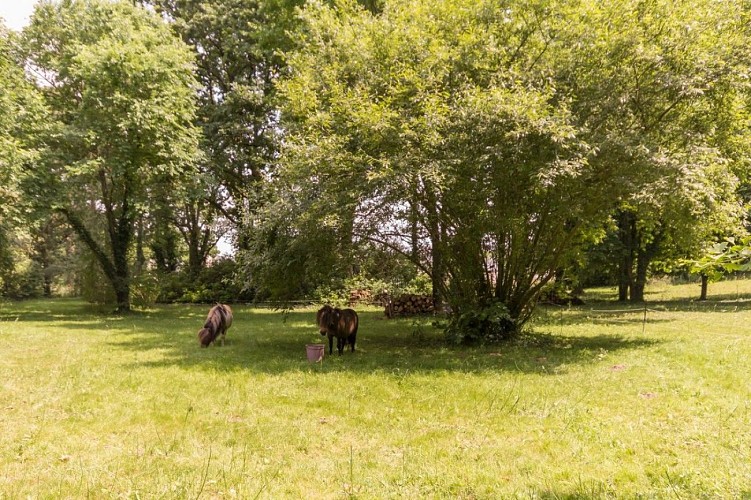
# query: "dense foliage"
493,151
21,117
490,144
119,88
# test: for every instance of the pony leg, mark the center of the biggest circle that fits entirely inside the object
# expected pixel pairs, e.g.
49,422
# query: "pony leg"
340,345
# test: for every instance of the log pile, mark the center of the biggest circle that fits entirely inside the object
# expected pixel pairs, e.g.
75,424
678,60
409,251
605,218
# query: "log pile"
409,305
359,297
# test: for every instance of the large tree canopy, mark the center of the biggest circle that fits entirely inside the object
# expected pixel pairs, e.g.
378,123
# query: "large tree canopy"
120,88
240,47
488,141
22,116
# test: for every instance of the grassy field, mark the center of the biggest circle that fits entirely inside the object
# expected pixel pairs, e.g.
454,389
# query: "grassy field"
602,400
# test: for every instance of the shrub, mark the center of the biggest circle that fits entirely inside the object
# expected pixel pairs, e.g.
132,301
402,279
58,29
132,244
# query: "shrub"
144,289
22,283
92,284
339,294
216,283
492,323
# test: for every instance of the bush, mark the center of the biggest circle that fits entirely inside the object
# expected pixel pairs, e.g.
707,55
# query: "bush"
216,283
22,284
93,286
20,277
339,294
144,289
492,323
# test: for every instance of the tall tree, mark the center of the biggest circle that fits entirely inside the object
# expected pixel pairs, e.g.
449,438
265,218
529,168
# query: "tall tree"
12,151
674,218
658,105
515,130
239,47
120,88
424,120
22,118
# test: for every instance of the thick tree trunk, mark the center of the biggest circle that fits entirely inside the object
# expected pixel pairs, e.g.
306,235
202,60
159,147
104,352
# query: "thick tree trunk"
121,280
645,255
122,295
116,269
640,282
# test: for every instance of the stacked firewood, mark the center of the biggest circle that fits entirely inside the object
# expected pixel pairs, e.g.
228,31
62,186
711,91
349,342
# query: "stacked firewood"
359,296
409,305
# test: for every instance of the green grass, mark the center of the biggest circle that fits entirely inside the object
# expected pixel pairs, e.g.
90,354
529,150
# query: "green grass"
592,402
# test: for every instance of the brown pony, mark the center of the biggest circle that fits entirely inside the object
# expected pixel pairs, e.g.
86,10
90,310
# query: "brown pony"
339,323
217,323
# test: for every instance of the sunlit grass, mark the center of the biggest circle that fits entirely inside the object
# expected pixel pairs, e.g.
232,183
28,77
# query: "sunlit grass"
594,401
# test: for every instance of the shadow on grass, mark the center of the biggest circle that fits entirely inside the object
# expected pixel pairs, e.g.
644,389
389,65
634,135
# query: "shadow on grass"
717,303
613,312
600,299
262,342
52,310
265,341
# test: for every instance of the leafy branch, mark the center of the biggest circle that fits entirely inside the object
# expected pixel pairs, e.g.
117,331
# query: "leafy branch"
724,257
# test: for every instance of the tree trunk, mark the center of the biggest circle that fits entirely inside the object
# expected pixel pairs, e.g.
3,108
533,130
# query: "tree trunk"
414,235
197,238
195,261
645,255
704,286
115,268
44,258
627,237
640,282
140,256
122,295
47,274
436,247
121,280
163,241
45,243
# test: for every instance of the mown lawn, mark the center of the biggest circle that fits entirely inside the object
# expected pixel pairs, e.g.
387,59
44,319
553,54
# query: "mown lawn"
592,402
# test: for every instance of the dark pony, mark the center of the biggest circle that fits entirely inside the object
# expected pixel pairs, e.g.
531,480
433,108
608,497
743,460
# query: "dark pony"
339,323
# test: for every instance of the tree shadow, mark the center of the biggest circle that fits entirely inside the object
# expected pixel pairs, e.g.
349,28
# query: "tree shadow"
613,312
64,309
263,342
716,303
601,314
267,341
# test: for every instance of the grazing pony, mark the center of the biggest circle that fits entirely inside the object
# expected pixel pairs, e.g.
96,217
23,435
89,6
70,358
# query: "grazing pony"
217,323
339,323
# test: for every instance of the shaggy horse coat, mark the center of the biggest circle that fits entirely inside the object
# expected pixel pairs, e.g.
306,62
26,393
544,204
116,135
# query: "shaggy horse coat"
217,323
339,323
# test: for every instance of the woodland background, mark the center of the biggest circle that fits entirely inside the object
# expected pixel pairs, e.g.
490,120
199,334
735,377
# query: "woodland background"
486,154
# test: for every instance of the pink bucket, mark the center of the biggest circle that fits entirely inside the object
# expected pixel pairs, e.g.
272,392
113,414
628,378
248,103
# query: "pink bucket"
315,352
